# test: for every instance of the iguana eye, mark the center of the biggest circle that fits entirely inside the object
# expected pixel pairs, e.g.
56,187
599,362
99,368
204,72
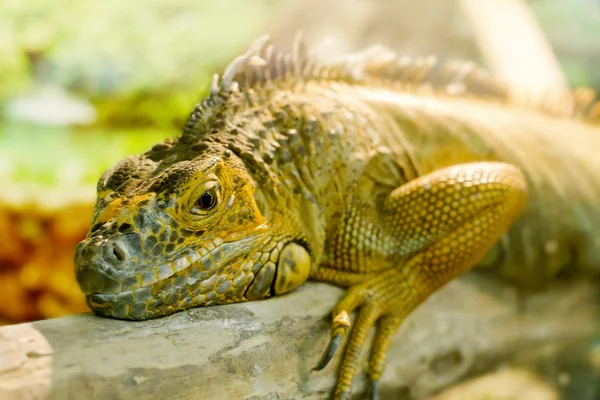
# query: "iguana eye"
208,198
207,201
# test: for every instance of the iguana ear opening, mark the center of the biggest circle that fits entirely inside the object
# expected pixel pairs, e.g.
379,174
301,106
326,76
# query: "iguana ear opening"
293,268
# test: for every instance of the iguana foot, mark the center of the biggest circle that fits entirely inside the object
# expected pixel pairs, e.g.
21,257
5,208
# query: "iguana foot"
374,297
445,222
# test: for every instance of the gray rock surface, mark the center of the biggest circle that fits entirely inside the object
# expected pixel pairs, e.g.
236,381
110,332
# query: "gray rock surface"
266,350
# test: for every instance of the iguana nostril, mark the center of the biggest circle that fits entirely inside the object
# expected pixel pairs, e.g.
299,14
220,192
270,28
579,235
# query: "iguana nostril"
119,252
96,227
125,228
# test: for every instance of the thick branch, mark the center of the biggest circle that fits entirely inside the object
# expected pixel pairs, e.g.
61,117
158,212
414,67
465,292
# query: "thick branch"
515,46
265,350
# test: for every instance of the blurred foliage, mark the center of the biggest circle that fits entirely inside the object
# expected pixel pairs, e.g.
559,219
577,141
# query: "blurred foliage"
62,157
36,257
576,21
573,28
152,58
48,176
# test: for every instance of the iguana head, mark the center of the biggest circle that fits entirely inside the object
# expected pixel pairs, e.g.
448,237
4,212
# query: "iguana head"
181,232
188,223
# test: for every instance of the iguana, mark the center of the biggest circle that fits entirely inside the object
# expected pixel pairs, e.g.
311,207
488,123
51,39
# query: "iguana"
384,175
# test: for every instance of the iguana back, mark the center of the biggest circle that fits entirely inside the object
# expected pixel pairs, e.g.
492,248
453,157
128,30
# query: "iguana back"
559,232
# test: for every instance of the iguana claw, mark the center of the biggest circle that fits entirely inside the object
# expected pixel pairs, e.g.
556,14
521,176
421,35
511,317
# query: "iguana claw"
329,352
372,392
341,324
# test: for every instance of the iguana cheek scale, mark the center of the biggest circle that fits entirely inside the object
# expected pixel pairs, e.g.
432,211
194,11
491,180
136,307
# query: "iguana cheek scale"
384,175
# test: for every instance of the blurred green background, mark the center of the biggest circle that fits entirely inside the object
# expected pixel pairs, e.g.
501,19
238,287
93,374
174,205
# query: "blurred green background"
125,73
83,84
114,68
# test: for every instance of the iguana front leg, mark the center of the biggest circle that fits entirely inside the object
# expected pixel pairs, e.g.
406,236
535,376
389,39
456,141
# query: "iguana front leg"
445,223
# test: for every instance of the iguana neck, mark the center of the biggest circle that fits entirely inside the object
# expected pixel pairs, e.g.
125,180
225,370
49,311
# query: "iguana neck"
303,149
307,145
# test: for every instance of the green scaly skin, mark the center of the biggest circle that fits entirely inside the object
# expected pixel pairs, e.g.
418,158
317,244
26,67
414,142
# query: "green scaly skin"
357,174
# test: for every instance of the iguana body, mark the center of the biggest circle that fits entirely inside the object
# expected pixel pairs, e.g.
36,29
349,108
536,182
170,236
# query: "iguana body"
372,174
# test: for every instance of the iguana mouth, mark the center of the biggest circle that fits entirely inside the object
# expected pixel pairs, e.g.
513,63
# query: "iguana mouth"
90,275
199,277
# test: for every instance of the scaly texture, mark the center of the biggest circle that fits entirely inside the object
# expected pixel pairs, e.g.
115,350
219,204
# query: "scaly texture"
385,175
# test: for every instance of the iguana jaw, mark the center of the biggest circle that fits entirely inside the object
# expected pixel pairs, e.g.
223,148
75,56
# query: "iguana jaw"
216,273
